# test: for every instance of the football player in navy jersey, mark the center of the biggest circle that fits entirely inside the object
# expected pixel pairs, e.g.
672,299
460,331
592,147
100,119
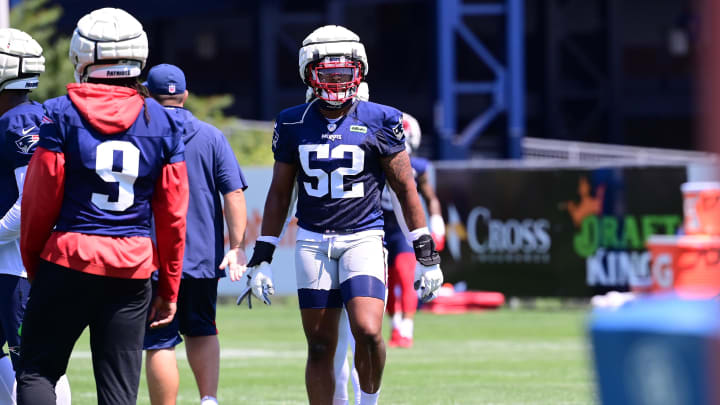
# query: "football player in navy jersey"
339,151
108,161
402,299
20,119
212,171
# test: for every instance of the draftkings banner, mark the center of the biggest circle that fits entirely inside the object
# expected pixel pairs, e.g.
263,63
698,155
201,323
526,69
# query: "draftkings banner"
554,232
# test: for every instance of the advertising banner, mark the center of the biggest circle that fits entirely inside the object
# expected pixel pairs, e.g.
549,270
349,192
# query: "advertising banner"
570,232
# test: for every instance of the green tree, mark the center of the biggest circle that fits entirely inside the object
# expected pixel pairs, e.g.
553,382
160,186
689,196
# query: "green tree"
39,19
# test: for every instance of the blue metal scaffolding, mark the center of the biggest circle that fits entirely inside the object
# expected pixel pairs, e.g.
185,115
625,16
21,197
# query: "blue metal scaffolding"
506,89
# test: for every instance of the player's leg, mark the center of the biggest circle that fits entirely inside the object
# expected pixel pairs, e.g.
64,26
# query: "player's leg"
7,375
63,395
201,341
162,376
116,339
320,327
395,243
320,306
393,306
7,316
203,353
405,265
340,364
363,273
61,303
161,371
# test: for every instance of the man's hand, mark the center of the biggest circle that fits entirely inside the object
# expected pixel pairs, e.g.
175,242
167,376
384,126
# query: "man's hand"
236,262
428,276
162,312
259,284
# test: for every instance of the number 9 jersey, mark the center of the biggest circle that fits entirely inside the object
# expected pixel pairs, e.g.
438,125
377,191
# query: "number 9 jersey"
340,178
113,176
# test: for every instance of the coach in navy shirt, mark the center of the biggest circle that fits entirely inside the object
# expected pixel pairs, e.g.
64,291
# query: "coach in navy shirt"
212,171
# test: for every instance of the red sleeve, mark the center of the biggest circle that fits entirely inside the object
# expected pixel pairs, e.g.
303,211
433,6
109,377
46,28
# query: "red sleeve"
41,203
170,205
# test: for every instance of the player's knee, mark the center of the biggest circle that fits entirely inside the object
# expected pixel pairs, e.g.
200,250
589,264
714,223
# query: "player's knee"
320,349
371,337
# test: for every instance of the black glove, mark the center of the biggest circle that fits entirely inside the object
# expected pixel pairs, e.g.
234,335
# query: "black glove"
262,253
425,252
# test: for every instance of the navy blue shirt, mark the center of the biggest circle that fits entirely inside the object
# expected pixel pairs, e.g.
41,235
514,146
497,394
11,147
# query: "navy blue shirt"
212,171
109,179
340,179
19,135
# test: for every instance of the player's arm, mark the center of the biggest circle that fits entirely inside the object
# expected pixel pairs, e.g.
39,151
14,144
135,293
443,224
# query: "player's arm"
231,183
399,175
43,190
428,276
277,204
170,205
437,225
236,218
10,222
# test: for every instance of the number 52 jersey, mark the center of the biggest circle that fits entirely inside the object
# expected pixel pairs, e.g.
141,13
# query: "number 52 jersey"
340,178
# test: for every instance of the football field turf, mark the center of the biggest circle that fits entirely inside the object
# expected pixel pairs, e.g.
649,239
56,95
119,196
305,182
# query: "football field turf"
495,357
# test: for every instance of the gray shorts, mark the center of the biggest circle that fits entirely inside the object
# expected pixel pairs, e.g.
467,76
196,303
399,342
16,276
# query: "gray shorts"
332,271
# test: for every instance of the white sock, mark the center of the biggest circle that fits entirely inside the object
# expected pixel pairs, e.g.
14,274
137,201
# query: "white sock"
62,391
369,399
356,385
7,381
406,328
397,320
338,401
340,366
208,400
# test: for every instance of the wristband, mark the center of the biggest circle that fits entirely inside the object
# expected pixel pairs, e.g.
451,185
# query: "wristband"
425,252
273,240
416,234
262,253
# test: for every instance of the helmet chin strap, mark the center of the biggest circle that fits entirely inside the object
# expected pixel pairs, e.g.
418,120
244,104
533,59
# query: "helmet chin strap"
326,105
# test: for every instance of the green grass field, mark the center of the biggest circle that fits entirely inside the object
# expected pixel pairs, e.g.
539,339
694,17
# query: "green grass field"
495,357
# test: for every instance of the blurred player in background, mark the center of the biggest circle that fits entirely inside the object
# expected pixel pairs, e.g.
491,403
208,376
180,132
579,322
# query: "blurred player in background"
107,163
20,119
212,171
402,298
339,152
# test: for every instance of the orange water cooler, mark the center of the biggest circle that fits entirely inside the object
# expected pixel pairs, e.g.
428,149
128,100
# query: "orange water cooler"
689,264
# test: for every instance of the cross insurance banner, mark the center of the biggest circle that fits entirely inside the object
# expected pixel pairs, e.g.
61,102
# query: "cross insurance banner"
570,232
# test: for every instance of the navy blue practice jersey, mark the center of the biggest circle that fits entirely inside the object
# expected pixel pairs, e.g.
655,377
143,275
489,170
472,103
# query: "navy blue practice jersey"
109,179
19,129
340,178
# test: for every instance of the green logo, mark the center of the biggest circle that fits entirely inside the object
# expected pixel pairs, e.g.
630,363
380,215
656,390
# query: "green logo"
628,232
358,128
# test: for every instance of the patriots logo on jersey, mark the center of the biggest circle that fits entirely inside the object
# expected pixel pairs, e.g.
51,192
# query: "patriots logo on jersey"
398,129
276,136
26,144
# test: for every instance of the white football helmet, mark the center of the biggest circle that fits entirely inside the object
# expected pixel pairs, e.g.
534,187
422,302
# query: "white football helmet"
363,92
412,133
21,60
333,62
108,43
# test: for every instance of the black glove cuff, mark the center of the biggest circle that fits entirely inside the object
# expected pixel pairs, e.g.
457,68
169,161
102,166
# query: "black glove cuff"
425,252
262,253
